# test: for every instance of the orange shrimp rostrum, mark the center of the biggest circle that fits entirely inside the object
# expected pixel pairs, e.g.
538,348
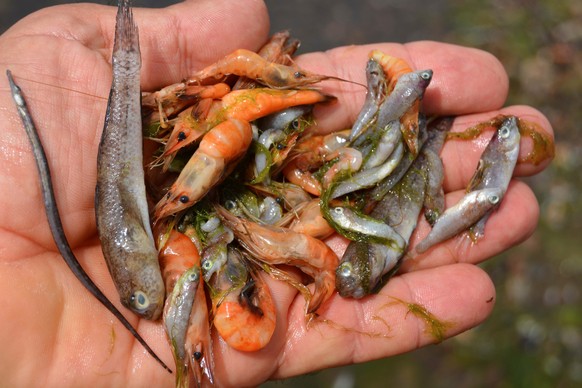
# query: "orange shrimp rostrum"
249,64
275,245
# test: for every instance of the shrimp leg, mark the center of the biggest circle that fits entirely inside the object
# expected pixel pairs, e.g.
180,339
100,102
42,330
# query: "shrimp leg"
54,218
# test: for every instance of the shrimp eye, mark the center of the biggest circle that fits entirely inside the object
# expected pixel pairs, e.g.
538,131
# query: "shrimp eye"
181,136
184,199
345,269
279,200
197,356
139,300
298,74
493,199
280,146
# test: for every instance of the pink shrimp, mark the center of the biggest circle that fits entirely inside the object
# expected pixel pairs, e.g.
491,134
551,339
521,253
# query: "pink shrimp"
275,245
308,220
309,154
172,99
244,312
198,339
186,306
222,145
227,142
248,64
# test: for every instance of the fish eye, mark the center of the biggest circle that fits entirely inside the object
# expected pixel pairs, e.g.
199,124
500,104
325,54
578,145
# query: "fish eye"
295,124
230,204
493,199
425,75
207,265
193,277
298,74
504,132
184,199
338,210
345,269
139,300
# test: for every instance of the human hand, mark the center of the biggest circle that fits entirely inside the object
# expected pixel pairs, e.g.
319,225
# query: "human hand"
55,333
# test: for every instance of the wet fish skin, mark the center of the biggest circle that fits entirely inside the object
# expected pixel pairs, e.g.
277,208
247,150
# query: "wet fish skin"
458,218
120,199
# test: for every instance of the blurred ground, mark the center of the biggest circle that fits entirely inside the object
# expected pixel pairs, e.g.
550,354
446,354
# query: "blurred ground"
534,337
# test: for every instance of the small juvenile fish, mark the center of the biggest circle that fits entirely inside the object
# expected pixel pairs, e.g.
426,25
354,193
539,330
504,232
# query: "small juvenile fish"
120,198
376,85
366,265
470,209
409,88
485,190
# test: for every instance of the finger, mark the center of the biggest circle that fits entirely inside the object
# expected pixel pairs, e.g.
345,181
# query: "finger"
512,223
461,157
193,34
465,80
460,296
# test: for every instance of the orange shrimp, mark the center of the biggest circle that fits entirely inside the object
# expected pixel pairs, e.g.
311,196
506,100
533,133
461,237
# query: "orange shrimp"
309,154
252,104
393,67
176,256
248,64
275,245
221,146
226,142
244,312
278,49
308,220
186,306
198,339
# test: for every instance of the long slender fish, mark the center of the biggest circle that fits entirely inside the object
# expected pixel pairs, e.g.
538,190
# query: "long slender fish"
54,218
120,197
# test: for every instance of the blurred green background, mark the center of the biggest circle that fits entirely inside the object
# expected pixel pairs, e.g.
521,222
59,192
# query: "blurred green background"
534,336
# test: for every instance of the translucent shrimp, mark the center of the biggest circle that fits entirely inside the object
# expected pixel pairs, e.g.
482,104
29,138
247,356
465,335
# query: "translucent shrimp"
248,64
244,312
275,245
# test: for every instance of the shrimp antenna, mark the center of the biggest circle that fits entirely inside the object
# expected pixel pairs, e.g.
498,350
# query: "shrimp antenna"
54,218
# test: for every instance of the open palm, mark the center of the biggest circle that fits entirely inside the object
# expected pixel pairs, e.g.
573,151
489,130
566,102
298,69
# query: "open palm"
53,332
